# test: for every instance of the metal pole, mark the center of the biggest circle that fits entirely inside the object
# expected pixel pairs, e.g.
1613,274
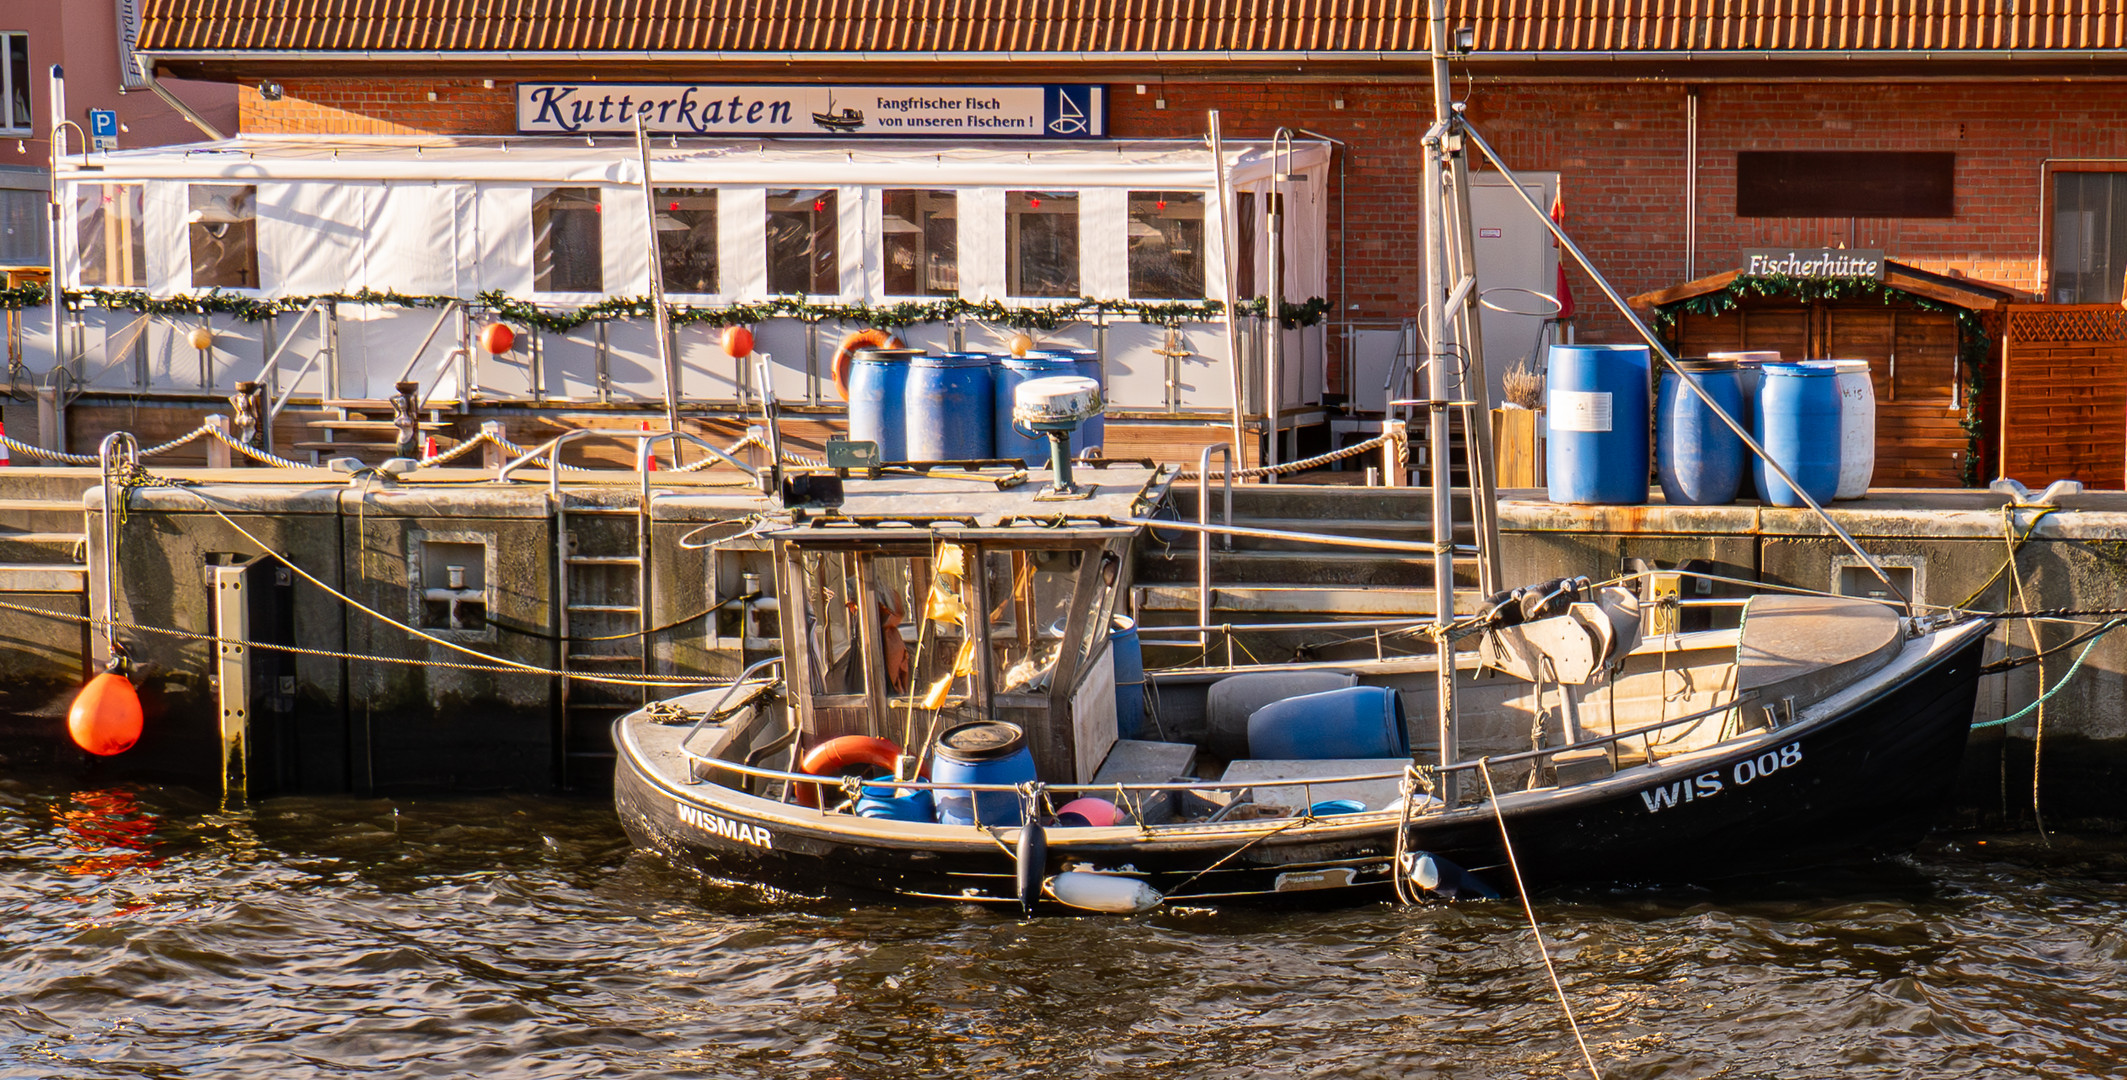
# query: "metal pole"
1274,299
1228,236
57,145
1437,390
1477,421
657,284
1686,377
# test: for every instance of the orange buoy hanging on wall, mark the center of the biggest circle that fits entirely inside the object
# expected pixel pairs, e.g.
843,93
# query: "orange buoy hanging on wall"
105,719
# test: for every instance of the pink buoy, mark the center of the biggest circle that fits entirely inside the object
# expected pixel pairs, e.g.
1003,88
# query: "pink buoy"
1082,813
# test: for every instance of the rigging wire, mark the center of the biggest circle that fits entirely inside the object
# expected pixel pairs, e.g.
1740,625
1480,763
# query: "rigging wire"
1484,769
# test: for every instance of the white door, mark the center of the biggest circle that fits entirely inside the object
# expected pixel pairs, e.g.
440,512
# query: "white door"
1514,252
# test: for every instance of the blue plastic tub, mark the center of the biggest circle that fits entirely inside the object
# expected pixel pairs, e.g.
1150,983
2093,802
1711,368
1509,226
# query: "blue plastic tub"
949,406
1798,423
896,804
1596,421
1698,458
1006,373
1129,678
1355,722
984,752
1086,364
878,392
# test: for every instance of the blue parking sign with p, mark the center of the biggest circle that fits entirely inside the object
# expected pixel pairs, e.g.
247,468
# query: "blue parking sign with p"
103,123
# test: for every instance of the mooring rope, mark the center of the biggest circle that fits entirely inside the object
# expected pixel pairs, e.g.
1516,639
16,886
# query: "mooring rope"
1484,769
1282,468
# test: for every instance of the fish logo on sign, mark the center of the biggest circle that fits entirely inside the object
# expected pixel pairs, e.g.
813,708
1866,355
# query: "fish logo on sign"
1068,117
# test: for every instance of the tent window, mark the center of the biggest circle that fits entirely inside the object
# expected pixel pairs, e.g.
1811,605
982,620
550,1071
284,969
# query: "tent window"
1041,243
2089,237
686,238
1167,245
802,226
568,246
1244,248
113,245
920,238
223,228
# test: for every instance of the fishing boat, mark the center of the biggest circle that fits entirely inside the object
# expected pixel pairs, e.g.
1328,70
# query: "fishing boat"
958,713
944,723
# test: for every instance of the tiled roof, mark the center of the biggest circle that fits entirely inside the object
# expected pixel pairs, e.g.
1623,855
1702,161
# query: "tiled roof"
1122,26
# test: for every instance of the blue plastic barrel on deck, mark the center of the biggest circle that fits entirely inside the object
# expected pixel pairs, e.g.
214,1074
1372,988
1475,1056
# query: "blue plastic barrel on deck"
984,752
1797,421
1006,373
878,391
1086,364
1355,722
1698,458
896,804
949,407
1596,421
1129,678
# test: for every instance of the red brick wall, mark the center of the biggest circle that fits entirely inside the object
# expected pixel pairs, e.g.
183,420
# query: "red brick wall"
1619,148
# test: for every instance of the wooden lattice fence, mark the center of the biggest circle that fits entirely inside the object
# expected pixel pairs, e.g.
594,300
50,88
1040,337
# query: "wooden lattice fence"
2064,394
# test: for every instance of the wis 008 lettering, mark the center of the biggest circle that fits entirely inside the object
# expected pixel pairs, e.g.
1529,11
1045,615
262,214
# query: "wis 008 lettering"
1706,785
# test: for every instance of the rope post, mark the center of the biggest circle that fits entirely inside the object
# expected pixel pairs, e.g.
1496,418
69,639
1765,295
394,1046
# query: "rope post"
493,453
218,456
1395,453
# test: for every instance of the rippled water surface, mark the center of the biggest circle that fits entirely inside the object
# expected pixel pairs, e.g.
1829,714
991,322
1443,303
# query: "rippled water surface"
148,932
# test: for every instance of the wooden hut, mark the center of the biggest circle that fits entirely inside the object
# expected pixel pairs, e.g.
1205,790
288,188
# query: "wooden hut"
1924,335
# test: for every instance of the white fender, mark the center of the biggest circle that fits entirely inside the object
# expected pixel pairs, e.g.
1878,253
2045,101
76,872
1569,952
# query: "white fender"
1112,893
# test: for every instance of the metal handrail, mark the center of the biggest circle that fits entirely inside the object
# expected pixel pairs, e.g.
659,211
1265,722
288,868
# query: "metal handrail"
449,309
435,378
1219,785
293,383
1203,538
757,665
273,359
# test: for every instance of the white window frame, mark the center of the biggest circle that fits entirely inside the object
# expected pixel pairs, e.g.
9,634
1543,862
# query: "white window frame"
7,87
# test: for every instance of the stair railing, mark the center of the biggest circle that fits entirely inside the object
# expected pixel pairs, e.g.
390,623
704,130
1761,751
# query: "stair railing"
1203,538
269,372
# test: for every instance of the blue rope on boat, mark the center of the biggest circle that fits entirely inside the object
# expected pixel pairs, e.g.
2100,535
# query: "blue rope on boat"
2042,698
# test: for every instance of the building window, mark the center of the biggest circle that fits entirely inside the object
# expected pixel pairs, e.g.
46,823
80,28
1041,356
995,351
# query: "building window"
686,238
1846,183
15,84
1244,247
1167,245
223,228
2089,237
114,249
1041,243
920,235
22,219
568,244
802,227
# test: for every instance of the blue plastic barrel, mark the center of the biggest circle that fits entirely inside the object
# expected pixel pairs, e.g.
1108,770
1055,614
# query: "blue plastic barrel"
949,407
1698,458
1749,371
1006,373
878,388
984,752
1085,363
1129,678
1596,424
896,804
1797,421
1355,722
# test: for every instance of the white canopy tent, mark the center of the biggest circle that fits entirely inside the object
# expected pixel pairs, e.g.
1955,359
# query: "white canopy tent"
456,217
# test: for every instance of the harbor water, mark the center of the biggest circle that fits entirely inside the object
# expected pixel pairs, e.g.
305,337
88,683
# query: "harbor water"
151,932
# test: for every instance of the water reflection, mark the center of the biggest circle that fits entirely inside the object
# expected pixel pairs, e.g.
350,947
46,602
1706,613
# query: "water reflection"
110,831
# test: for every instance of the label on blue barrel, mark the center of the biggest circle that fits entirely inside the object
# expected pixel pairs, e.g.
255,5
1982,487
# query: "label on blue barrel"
1580,410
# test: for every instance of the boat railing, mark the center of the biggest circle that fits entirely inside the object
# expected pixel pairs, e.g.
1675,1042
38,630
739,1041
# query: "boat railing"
760,773
1203,538
714,711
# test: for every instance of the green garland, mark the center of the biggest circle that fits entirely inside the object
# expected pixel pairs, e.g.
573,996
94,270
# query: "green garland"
1973,342
524,313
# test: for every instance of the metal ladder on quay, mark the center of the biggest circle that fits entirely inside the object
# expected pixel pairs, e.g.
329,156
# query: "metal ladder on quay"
603,585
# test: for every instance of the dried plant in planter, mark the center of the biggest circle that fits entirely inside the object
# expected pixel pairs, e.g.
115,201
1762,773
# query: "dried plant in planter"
1524,388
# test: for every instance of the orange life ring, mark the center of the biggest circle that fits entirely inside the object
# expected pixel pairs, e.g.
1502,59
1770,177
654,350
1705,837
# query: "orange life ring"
831,757
861,339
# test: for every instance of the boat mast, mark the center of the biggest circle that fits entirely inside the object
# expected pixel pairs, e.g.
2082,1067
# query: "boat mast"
1435,339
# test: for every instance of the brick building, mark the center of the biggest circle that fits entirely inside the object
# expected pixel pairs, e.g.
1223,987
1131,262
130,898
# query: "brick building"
1658,127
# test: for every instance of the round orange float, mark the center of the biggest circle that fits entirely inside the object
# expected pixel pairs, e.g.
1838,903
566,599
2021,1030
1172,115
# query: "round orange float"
105,719
833,757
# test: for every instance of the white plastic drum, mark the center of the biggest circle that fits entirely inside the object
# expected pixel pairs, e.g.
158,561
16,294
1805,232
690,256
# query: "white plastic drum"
1857,426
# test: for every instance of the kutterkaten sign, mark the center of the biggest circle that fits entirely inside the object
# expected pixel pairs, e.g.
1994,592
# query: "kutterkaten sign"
1814,263
712,109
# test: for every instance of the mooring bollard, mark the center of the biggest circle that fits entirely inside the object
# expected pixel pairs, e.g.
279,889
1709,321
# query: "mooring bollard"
492,455
218,454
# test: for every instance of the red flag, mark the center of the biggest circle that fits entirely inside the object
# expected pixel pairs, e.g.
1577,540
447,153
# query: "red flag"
1558,218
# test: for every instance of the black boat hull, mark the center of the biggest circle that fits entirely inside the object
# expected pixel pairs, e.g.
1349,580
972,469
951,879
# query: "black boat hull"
1866,782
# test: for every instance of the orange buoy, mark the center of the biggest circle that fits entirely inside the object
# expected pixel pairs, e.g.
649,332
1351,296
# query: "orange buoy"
835,756
497,338
738,342
105,719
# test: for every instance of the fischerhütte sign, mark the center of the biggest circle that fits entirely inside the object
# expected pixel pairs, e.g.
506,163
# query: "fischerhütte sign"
1814,263
988,112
